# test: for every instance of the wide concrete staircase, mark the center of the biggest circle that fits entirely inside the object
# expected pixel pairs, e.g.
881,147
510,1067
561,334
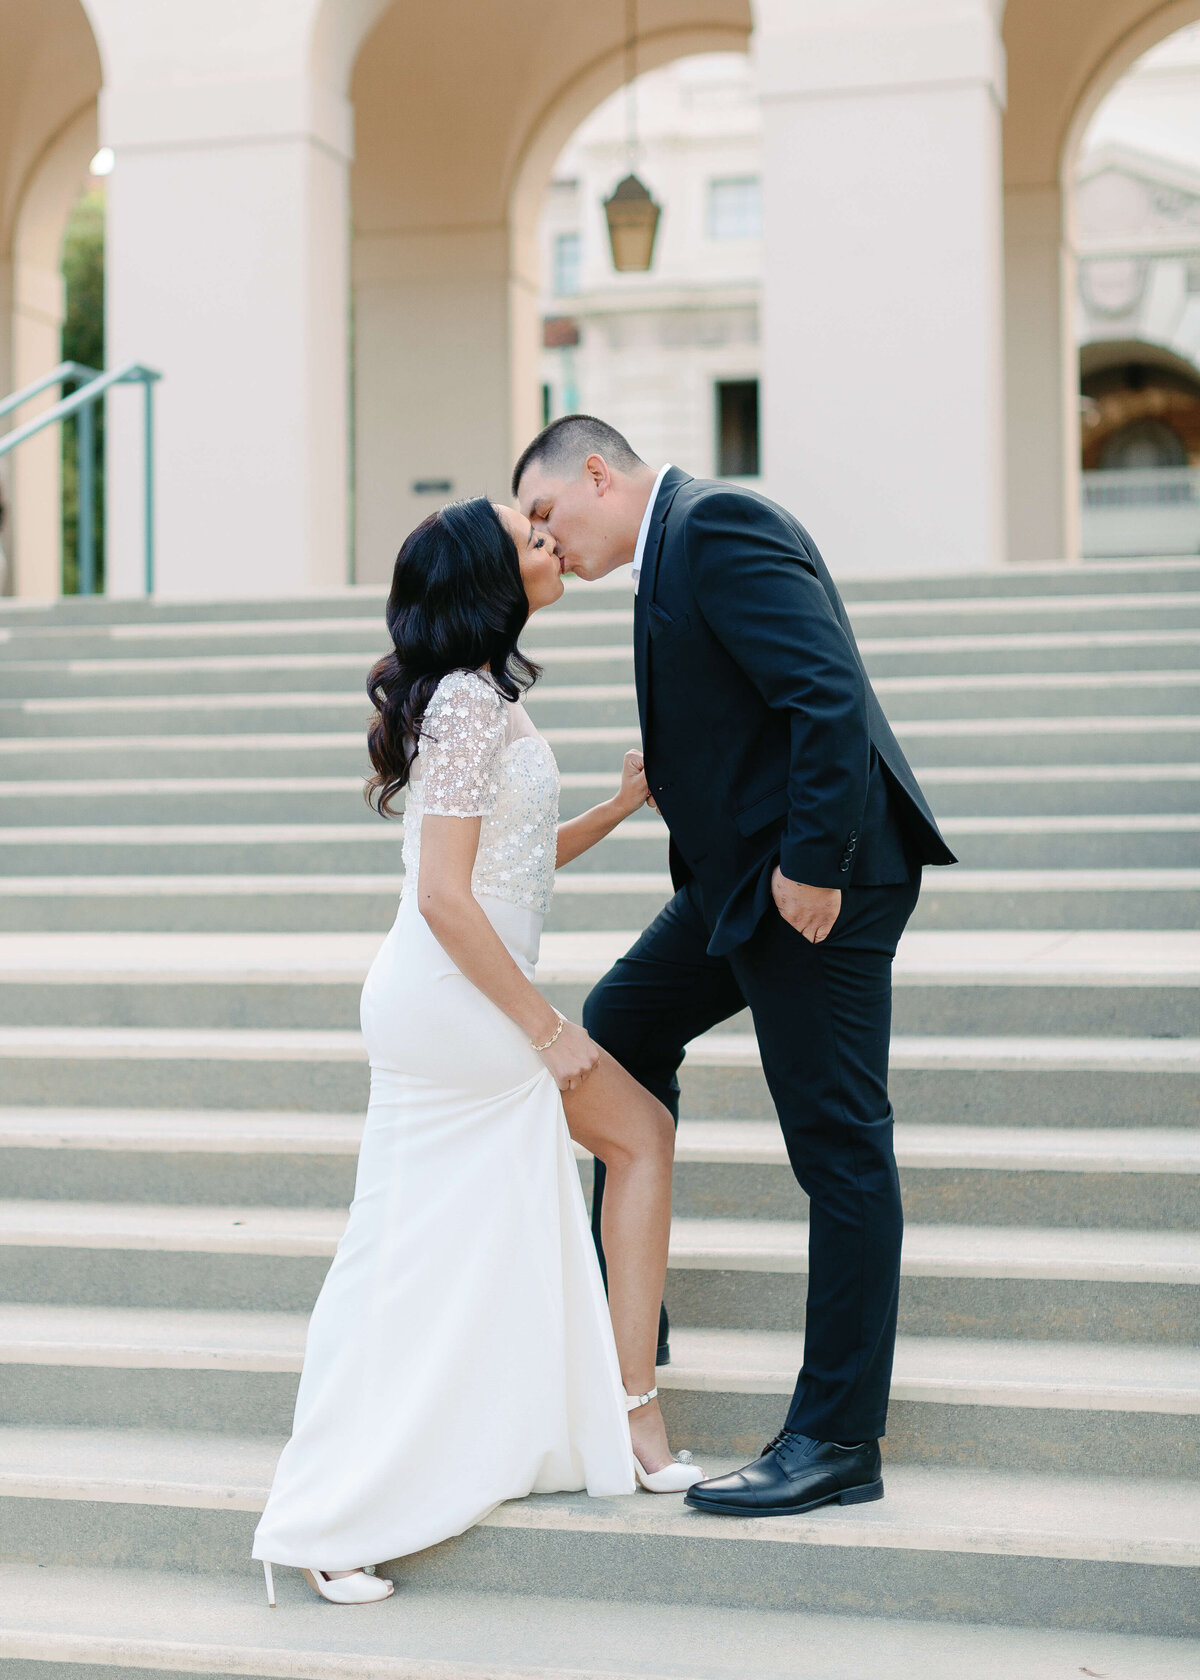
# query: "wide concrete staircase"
191,889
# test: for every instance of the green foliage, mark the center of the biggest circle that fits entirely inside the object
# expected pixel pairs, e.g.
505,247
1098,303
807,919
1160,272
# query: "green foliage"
83,341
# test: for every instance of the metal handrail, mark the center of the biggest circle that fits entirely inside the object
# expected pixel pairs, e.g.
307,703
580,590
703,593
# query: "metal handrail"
83,402
56,376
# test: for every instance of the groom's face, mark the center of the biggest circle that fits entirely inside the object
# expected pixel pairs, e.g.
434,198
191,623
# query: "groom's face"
585,514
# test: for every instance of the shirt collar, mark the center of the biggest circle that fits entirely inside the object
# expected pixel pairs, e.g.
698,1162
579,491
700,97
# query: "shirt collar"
640,550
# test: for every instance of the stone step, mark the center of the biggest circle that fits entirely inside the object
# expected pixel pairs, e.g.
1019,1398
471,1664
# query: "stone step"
975,584
988,699
1134,1178
583,618
593,900
999,614
994,1282
1089,842
999,1405
1119,1553
1021,982
600,617
1038,1406
352,848
972,744
360,847
365,633
1000,791
1096,899
1036,1081
1014,666
307,903
1103,739
998,1281
1032,1081
1111,719
125,669
350,601
1053,1177
585,615
121,1623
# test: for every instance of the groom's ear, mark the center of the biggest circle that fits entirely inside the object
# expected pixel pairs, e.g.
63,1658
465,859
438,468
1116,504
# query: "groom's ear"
597,469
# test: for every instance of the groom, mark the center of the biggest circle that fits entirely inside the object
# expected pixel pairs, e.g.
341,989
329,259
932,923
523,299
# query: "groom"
797,836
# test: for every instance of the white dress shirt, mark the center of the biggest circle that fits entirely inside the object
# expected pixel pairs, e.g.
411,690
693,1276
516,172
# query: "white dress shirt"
645,526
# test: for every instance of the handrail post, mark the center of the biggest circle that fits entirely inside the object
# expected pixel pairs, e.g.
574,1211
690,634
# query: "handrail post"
85,486
80,403
148,415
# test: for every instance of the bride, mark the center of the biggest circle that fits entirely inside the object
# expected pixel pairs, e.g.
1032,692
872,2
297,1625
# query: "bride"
461,1351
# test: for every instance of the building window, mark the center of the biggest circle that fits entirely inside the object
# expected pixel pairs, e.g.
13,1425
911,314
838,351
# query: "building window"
737,428
735,208
567,256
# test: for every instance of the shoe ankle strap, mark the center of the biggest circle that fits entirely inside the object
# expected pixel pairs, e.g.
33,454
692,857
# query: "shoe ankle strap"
633,1401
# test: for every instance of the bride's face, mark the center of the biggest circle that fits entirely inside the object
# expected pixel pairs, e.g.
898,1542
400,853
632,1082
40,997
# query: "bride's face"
541,567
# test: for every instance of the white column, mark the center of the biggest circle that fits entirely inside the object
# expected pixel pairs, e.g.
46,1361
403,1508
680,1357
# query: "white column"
1042,377
883,292
435,410
228,235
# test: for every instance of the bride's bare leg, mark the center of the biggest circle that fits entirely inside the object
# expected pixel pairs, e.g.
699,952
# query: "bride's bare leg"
633,1134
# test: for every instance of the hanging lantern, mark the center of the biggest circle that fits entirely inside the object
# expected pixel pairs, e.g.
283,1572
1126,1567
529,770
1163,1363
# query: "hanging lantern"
631,213
632,217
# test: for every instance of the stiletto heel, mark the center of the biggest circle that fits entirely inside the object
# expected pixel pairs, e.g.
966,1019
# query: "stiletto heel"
359,1588
672,1478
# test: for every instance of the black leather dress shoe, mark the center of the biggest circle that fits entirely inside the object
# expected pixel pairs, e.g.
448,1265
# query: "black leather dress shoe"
794,1474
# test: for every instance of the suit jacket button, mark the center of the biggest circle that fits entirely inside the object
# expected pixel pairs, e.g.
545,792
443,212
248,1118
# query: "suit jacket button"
845,868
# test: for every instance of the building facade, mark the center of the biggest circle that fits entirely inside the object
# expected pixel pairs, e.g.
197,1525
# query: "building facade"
323,228
673,356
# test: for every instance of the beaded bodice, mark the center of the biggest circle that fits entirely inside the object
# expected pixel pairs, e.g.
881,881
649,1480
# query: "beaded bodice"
480,756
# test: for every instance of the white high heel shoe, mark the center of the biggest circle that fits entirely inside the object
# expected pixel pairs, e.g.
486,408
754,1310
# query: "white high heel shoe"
347,1589
672,1478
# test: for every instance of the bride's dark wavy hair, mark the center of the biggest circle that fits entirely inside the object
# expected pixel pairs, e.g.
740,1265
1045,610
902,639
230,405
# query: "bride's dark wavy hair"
457,603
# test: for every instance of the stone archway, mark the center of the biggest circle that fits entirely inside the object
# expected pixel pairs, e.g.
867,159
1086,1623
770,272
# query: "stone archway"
1062,61
446,186
553,128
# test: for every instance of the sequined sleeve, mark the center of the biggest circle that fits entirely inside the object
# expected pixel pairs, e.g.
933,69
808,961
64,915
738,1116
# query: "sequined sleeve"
462,737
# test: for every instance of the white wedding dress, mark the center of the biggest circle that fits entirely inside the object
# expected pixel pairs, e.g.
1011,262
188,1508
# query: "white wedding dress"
460,1352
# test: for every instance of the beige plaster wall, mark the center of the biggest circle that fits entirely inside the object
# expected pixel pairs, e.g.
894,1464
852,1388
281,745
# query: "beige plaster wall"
49,77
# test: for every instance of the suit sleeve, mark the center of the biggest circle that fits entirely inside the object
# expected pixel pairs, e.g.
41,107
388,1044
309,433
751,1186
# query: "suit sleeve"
760,598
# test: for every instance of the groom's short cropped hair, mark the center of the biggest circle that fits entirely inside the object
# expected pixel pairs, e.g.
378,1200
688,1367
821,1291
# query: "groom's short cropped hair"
565,444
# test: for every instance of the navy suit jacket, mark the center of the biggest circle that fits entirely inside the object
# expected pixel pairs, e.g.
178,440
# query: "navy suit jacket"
763,738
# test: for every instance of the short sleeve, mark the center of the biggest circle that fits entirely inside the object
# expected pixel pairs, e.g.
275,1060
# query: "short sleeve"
462,736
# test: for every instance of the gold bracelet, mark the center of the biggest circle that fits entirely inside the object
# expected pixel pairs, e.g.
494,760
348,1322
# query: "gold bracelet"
562,1021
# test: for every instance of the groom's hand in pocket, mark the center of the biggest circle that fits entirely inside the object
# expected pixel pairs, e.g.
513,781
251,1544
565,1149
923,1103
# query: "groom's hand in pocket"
812,911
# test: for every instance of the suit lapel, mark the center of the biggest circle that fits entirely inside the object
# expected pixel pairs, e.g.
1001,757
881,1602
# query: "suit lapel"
641,648
645,594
